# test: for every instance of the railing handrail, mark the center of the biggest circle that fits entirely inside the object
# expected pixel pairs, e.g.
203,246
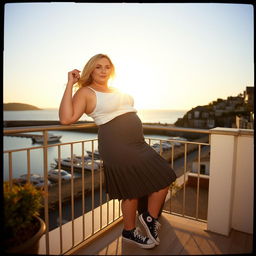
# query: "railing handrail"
216,130
174,128
12,130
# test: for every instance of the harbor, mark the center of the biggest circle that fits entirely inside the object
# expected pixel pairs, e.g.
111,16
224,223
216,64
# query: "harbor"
25,135
74,191
37,138
92,170
98,188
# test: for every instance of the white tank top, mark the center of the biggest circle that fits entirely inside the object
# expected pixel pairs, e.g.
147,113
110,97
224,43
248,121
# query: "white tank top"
110,105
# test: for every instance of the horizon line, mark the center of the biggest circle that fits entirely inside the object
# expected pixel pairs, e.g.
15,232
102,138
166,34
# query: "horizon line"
56,108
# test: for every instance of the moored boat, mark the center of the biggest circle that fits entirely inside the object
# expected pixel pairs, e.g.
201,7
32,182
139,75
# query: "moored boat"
78,164
178,140
94,154
51,138
54,174
35,179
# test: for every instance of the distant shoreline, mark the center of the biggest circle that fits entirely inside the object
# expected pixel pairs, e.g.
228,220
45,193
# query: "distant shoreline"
139,109
19,107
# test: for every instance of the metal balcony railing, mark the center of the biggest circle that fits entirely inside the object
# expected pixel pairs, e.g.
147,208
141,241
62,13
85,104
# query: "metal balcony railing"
90,184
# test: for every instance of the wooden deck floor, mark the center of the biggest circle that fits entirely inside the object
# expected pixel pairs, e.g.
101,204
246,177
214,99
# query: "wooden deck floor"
179,236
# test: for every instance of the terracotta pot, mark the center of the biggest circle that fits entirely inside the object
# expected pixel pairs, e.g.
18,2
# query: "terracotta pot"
31,246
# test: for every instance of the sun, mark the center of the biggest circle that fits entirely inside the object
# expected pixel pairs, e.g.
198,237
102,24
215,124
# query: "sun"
136,79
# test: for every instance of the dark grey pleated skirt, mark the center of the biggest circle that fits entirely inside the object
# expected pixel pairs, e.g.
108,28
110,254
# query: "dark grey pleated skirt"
132,169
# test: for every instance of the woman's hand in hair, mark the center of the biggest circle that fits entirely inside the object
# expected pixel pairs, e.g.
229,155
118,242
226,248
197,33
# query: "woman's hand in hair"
73,76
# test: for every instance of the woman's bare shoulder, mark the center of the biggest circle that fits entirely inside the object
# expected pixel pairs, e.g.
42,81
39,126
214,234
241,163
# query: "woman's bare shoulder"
84,91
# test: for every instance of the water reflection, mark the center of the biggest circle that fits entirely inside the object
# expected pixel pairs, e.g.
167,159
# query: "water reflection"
20,160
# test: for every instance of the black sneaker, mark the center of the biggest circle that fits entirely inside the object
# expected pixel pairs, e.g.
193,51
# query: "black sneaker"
151,225
133,236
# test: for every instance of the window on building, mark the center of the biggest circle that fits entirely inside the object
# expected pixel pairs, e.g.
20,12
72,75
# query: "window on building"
202,169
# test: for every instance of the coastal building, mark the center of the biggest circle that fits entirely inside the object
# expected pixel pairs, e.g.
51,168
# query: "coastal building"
245,122
249,96
201,170
205,114
235,111
239,99
219,112
204,165
210,122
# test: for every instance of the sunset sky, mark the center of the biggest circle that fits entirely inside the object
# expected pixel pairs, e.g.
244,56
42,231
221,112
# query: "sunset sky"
168,56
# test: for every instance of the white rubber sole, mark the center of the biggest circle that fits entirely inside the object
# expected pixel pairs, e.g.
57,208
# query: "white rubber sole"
143,246
147,230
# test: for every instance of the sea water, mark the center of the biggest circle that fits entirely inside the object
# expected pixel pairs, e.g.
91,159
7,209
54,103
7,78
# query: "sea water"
146,115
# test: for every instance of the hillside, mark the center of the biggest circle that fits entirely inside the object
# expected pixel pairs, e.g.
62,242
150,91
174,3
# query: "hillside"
19,106
234,111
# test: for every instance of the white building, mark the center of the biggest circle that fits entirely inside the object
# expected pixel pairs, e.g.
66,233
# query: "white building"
204,166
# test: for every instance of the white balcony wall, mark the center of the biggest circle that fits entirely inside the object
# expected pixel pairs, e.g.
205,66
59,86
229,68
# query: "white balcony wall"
231,181
242,214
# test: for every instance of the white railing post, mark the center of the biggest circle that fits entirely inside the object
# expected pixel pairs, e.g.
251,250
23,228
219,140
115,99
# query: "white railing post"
242,213
223,146
224,175
46,210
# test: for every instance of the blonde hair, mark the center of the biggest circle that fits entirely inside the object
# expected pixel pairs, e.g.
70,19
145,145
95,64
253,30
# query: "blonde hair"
85,77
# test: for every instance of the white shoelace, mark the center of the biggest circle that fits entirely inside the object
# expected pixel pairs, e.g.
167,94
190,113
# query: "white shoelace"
157,227
139,236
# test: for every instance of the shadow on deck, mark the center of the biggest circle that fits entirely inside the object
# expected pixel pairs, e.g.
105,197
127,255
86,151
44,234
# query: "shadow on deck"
179,236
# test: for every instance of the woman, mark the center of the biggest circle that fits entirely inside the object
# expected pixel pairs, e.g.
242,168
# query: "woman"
132,169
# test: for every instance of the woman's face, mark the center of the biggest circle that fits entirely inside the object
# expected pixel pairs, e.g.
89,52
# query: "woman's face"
102,71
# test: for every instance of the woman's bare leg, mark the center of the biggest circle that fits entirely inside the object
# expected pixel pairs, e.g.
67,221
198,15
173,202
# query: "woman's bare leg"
155,201
129,208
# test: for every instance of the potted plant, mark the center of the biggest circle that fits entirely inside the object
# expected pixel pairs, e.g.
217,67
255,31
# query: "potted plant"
22,225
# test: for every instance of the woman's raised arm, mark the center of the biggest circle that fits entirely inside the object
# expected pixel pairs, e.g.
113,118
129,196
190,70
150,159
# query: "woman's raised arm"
72,108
